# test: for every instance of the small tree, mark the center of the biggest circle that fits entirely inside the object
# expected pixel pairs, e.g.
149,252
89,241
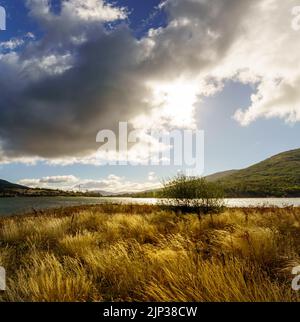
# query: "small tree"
192,195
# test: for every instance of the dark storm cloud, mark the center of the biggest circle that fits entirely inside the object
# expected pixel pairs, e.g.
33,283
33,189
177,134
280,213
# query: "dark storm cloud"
60,115
61,90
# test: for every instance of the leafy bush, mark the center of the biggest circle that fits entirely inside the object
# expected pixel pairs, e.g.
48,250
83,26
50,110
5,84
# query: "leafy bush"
190,194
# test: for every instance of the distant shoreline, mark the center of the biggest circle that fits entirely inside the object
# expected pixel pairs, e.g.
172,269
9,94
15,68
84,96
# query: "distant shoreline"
133,197
19,206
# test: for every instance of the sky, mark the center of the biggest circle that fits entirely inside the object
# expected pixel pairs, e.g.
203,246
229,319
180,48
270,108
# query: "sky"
71,68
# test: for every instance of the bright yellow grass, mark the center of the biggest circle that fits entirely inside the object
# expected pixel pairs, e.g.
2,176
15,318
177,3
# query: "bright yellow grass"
102,255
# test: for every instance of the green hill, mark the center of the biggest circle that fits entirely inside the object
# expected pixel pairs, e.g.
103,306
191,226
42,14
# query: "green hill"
8,189
6,186
220,175
278,176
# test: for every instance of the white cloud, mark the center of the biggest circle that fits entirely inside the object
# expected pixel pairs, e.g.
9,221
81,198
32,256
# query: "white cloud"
11,44
59,179
152,176
50,182
273,99
32,183
266,53
15,43
91,10
110,184
74,14
118,185
30,35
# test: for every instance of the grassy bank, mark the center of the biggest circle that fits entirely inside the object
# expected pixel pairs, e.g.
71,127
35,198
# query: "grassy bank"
139,253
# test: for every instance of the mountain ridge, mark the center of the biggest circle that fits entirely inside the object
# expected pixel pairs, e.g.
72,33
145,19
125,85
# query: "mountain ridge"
6,185
276,176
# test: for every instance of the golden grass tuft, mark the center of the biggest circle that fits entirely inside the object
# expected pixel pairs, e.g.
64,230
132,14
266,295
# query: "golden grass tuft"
137,253
44,278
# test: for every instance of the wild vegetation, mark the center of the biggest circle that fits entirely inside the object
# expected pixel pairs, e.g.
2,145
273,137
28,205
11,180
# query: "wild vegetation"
142,253
192,195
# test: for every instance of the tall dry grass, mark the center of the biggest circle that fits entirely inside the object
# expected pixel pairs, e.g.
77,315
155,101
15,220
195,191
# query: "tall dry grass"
139,253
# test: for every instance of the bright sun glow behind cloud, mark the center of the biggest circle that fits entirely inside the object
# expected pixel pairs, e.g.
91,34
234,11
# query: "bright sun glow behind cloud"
178,100
173,105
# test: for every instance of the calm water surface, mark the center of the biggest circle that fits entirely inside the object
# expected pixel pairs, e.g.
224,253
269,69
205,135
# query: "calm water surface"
10,206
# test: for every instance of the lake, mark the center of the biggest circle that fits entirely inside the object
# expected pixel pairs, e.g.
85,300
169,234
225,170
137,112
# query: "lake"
19,205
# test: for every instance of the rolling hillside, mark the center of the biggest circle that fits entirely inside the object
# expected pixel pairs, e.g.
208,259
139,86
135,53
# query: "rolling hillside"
8,189
6,186
220,175
278,176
